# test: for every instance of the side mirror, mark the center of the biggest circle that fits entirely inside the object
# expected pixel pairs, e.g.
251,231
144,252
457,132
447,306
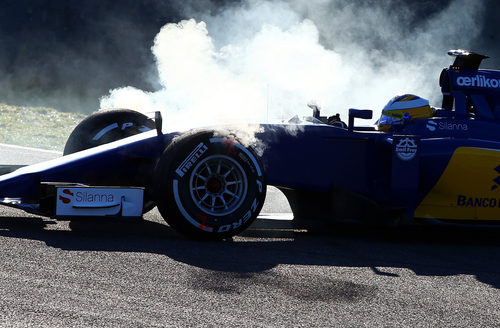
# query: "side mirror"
366,114
158,122
315,108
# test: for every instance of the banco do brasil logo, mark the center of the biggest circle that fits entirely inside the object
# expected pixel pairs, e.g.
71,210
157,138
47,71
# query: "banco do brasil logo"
486,202
497,179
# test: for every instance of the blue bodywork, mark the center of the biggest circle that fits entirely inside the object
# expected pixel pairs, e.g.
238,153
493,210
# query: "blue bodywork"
326,172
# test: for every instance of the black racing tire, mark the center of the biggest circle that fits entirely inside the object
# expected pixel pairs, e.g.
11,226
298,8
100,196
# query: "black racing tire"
106,126
209,186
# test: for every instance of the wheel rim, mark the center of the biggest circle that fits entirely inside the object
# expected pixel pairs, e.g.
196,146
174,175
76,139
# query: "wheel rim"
218,185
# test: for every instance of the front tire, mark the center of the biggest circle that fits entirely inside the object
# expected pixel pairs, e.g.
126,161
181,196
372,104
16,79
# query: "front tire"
208,186
106,126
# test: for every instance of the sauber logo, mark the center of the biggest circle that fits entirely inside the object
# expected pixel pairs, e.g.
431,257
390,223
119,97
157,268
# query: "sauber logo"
478,81
406,149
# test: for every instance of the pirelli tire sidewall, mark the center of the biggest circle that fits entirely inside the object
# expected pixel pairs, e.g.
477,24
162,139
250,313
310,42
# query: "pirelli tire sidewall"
209,186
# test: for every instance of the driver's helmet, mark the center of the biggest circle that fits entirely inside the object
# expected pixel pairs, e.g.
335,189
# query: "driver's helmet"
402,109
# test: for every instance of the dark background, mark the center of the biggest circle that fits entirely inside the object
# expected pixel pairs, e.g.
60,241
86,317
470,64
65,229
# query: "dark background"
67,54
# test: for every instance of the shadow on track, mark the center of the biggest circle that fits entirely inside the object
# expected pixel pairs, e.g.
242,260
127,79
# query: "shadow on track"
426,250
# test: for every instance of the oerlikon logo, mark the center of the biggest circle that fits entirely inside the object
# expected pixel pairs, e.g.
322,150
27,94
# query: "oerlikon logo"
66,200
478,81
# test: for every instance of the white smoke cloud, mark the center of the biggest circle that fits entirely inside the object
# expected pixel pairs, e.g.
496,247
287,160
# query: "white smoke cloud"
263,61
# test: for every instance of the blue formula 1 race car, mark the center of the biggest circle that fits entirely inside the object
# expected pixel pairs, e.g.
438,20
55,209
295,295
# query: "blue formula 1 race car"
421,162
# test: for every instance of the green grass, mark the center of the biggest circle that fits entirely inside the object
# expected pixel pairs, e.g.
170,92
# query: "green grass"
38,127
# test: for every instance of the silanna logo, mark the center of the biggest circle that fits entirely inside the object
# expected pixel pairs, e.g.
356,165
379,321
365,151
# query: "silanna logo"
478,81
68,198
90,196
489,202
431,126
446,126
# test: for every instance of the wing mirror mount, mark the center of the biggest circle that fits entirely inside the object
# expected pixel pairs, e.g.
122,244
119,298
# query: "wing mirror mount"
365,114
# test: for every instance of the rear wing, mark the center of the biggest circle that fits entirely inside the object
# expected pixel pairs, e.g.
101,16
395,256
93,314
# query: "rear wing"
466,59
471,92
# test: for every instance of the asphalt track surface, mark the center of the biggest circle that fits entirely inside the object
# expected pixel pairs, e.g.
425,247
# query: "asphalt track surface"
107,273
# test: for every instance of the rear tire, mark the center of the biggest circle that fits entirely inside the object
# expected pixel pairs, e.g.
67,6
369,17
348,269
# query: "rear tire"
209,187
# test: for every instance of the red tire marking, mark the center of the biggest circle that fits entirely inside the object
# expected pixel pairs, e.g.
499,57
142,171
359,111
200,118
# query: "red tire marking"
230,144
203,222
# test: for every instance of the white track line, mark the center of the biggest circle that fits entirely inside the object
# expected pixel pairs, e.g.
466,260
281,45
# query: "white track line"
31,148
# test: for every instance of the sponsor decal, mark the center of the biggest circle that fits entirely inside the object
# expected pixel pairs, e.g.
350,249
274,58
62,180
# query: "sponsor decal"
453,126
191,159
431,126
85,197
66,199
406,149
99,201
446,126
488,202
478,81
468,201
496,181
